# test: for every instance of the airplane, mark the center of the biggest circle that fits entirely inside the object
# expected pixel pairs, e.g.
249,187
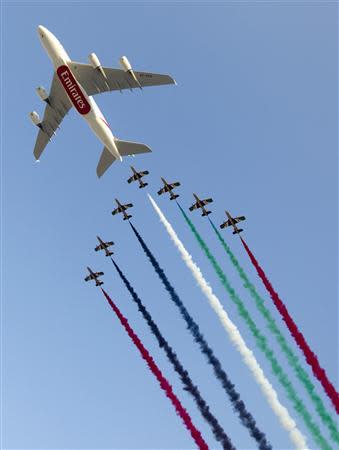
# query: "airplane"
104,246
201,204
168,187
137,177
122,209
74,84
232,221
94,276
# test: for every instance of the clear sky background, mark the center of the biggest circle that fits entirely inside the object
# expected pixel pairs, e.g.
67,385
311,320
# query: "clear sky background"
252,123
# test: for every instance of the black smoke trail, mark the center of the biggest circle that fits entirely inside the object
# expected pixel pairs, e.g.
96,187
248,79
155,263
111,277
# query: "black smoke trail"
217,429
239,407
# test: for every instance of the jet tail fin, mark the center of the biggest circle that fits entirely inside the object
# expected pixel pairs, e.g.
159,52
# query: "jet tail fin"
105,161
239,230
126,148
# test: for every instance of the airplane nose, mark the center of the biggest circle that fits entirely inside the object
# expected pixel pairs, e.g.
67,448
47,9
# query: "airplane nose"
42,30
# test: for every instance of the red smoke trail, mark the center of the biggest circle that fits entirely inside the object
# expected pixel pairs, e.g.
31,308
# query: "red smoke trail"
164,384
310,357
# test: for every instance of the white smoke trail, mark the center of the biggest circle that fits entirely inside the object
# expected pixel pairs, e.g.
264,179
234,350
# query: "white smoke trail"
234,335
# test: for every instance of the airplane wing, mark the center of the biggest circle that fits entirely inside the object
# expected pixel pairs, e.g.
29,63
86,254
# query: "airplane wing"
228,223
116,79
116,211
98,274
128,205
176,184
99,247
55,111
132,178
145,172
162,191
89,277
207,200
239,219
195,206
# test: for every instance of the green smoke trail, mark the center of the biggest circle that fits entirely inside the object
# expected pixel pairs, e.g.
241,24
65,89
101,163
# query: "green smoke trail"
261,342
273,327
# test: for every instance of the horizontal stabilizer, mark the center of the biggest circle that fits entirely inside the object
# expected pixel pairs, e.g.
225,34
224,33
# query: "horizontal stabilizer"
126,148
105,161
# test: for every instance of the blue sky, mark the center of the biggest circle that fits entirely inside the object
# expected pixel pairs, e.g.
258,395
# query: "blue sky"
252,123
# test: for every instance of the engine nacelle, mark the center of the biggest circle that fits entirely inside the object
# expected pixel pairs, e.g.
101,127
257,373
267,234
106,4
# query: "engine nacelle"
96,64
125,64
35,118
94,61
42,93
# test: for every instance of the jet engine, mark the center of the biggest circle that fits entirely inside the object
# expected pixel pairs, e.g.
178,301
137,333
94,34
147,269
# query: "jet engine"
42,93
35,118
125,64
95,63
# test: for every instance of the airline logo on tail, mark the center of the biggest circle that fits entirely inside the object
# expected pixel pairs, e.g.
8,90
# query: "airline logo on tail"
73,90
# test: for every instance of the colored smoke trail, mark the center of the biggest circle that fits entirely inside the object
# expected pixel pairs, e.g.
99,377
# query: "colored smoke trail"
238,405
291,357
164,384
299,338
261,341
204,409
299,441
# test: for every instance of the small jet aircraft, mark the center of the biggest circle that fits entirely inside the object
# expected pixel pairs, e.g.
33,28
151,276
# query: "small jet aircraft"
137,177
104,246
232,221
168,187
122,209
94,276
201,204
74,84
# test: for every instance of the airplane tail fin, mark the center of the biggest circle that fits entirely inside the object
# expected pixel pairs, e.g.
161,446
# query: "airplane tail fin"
127,148
174,196
238,231
206,213
105,161
142,185
127,217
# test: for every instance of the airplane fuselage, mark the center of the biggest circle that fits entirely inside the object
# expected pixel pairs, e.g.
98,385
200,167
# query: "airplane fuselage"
234,225
83,103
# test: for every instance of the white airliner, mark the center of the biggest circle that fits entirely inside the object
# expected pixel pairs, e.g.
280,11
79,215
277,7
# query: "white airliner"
74,84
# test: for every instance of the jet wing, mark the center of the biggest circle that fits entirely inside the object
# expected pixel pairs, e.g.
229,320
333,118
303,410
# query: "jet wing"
128,205
195,206
207,200
58,106
98,274
145,172
94,82
162,191
239,219
176,184
132,178
229,223
116,210
89,277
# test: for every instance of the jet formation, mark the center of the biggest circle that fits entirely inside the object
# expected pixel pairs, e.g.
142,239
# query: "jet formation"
166,188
